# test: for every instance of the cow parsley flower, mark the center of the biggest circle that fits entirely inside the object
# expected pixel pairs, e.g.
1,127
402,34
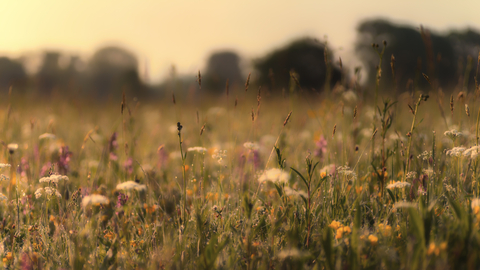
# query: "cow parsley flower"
456,151
274,175
94,199
198,149
129,185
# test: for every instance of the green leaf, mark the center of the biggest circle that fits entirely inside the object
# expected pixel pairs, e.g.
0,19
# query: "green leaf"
301,176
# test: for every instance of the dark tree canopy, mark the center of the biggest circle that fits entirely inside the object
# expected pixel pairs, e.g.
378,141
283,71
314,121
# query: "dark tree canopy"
12,73
220,67
112,70
305,57
412,58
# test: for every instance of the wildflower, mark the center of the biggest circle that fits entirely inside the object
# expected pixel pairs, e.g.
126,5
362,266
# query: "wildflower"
345,170
398,185
472,152
47,136
292,192
121,199
386,230
128,165
5,165
251,145
219,155
94,199
12,147
411,175
55,178
198,149
274,175
456,151
320,147
373,239
64,159
48,190
432,248
129,185
335,225
453,134
38,193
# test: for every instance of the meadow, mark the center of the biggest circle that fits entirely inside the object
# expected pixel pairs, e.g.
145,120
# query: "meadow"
246,180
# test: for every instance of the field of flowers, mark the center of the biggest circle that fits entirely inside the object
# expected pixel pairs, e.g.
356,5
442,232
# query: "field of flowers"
252,181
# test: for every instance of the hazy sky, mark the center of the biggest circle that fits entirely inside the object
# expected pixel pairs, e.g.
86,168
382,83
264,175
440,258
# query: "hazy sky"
184,33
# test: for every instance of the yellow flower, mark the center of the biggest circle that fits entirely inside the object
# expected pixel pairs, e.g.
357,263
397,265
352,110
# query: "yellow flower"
335,225
373,239
433,249
385,230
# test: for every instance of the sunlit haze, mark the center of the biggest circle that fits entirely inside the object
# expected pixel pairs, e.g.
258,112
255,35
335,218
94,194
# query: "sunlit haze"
184,33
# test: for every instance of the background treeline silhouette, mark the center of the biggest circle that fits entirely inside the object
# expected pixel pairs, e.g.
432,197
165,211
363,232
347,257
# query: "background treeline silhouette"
449,59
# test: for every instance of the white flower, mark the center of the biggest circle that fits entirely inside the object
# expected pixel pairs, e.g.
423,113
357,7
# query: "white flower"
198,149
251,145
472,152
345,170
398,185
328,169
38,193
12,147
129,185
219,155
46,136
3,197
48,190
453,134
411,175
55,178
455,152
292,192
58,194
274,175
5,165
94,199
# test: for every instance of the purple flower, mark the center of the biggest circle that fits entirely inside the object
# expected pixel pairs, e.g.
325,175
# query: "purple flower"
121,199
128,165
64,160
321,147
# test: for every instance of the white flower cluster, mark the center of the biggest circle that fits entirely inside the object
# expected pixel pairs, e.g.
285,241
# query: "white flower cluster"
398,185
472,152
345,170
411,175
251,145
453,134
94,199
219,155
297,193
274,175
47,190
5,165
456,151
198,149
54,178
129,185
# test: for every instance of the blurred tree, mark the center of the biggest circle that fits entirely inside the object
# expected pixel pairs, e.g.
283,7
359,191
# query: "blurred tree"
50,73
409,48
222,66
305,57
12,73
112,70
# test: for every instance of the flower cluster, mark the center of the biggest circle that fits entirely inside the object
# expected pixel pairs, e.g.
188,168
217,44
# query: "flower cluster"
340,229
54,178
274,175
129,185
398,185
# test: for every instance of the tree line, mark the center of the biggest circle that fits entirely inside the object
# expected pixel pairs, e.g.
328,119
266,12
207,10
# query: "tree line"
399,54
